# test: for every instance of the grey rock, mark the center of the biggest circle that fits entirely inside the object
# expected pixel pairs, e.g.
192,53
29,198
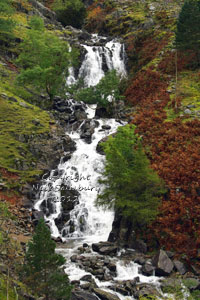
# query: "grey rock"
80,295
110,250
112,267
105,295
23,104
187,111
148,269
180,267
144,290
106,127
163,264
87,277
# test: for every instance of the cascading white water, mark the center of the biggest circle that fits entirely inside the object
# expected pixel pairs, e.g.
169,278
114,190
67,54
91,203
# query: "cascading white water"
110,56
81,173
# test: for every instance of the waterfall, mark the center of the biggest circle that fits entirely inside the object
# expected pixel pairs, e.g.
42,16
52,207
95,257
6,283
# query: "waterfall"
99,59
78,176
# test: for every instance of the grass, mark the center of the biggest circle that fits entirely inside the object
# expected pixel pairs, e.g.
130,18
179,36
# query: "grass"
19,122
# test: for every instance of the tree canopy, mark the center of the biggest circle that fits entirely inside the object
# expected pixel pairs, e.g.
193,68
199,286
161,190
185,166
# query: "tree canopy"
129,182
42,270
188,32
44,59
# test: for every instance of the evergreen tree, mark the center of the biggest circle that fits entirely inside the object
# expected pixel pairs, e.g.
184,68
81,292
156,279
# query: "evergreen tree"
45,59
41,270
129,183
6,23
188,27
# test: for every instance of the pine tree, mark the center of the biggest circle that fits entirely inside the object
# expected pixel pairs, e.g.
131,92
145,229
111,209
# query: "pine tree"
188,27
130,184
42,269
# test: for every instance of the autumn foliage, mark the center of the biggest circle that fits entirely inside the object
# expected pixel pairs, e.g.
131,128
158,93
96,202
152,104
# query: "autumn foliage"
173,148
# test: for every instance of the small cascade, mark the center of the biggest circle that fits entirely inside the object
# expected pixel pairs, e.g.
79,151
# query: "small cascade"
80,174
98,60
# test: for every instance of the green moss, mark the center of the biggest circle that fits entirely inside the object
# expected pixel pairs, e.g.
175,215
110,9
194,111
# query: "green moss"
189,89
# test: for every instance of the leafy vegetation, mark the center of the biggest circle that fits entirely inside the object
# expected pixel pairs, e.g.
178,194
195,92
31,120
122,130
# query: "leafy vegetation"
44,59
130,184
105,93
41,270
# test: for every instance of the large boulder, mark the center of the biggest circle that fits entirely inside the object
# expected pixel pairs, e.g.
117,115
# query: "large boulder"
145,290
103,295
105,248
180,267
163,264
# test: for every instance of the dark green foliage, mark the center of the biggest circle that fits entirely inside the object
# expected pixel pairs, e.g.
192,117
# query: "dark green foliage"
6,23
41,271
130,183
188,27
105,93
44,58
70,12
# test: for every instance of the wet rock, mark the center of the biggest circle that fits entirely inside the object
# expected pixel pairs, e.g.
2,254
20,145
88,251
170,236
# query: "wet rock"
144,290
105,248
61,220
147,269
75,282
73,258
112,267
180,267
121,290
99,147
139,260
36,216
103,295
106,127
87,277
80,295
101,112
80,115
66,157
85,286
163,264
109,250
